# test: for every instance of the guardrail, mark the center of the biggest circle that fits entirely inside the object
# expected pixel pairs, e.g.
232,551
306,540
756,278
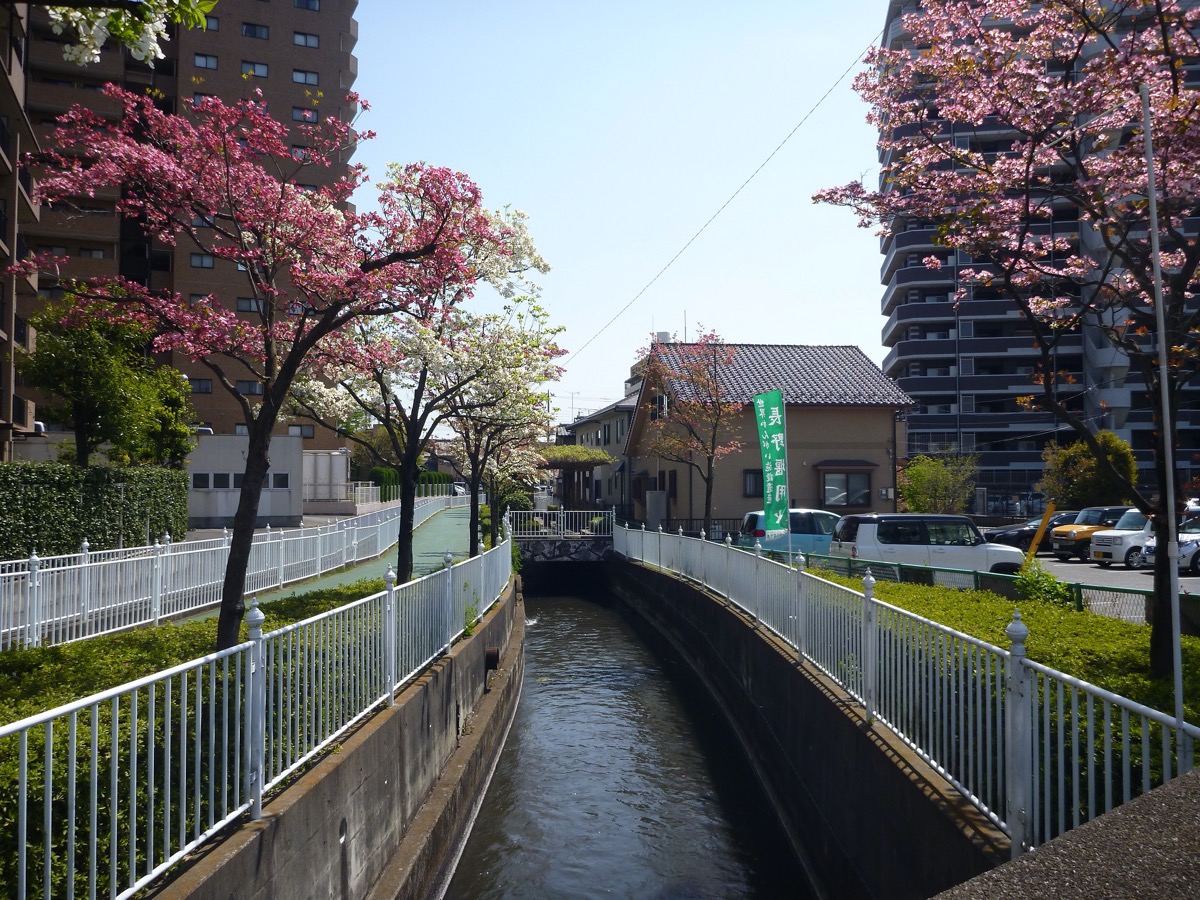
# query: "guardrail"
1036,750
105,794
68,598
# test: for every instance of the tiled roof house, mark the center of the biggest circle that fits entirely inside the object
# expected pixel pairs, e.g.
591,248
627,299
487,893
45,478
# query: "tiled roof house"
843,434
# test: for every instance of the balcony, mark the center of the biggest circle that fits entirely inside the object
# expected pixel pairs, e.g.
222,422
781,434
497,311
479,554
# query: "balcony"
916,313
1105,363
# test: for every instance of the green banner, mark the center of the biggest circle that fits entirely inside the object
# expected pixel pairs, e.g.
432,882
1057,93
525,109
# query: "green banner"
772,439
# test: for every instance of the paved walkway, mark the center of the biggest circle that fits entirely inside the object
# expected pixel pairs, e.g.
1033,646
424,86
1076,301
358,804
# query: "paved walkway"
446,530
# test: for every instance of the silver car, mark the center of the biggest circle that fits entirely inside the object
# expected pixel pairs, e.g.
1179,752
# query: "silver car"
1189,545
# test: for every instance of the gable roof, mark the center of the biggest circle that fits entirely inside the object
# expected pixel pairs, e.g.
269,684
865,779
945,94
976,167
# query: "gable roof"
808,375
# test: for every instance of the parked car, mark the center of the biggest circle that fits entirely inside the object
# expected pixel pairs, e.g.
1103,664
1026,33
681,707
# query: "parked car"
1020,536
811,530
1075,539
1189,547
1124,541
922,539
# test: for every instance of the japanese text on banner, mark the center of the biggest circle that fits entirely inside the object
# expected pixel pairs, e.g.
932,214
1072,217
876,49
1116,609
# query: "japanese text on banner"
772,439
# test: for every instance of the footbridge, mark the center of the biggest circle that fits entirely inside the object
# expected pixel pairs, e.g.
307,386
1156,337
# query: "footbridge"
557,536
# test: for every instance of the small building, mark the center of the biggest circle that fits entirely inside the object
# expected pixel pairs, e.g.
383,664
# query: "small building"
844,436
215,470
606,429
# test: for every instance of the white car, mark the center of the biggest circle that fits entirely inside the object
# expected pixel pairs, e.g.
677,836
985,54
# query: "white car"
1189,548
1123,542
922,539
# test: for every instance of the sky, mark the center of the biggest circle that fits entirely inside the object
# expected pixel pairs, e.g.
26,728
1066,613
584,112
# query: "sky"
621,129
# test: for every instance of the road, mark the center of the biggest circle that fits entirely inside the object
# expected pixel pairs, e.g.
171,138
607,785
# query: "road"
1075,571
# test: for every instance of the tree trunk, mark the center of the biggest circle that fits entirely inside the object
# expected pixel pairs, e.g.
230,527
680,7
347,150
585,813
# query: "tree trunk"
408,503
233,590
476,482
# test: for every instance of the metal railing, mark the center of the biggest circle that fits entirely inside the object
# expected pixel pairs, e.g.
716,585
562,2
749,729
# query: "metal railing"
1036,750
105,794
561,524
68,598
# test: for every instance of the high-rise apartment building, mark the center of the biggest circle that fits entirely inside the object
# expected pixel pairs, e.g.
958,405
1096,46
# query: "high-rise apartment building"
299,53
965,364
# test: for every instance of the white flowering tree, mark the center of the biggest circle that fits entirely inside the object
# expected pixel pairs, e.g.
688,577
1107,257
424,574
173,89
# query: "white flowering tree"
139,26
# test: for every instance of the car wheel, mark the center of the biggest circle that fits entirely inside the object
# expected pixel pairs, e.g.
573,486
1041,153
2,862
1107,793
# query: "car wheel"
1084,554
1062,557
1104,563
1133,559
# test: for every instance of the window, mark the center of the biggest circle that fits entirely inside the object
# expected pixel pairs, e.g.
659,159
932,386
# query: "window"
202,261
242,429
303,39
197,298
251,30
280,481
249,304
314,5
53,251
220,481
202,222
752,483
249,388
303,76
212,23
201,385
200,481
607,433
303,114
91,253
198,98
305,431
205,61
237,480
300,152
846,488
256,69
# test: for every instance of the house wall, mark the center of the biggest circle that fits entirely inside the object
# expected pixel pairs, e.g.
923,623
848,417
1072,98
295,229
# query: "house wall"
225,454
815,434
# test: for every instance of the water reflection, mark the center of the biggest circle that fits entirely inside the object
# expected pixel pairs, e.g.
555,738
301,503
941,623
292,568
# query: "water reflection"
614,783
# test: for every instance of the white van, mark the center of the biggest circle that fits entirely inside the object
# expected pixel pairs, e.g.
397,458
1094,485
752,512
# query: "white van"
922,539
1123,542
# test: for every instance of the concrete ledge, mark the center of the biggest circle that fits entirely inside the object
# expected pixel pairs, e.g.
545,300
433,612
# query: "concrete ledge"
865,814
338,829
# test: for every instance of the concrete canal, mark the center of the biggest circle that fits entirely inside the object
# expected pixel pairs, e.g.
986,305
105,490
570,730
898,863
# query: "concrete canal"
618,779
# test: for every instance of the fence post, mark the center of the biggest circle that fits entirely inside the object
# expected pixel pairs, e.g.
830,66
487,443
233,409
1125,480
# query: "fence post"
256,708
448,563
33,607
703,568
156,583
801,609
658,560
389,639
869,645
85,582
679,553
1019,758
728,550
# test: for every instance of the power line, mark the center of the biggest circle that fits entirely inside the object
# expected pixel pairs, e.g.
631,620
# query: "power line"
732,197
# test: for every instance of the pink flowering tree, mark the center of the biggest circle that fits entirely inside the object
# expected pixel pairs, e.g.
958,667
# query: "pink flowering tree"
1015,130
228,181
694,412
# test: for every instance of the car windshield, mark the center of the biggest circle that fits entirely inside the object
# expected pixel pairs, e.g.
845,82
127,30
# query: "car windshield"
1089,517
1133,520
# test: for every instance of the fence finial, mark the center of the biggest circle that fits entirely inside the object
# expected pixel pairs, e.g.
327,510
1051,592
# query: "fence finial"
447,559
255,618
1017,632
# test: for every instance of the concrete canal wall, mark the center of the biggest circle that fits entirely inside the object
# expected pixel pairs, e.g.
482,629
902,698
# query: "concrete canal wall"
383,815
867,817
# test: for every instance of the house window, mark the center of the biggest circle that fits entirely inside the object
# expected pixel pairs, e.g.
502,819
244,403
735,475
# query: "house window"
256,69
314,5
249,304
205,61
201,385
91,253
249,388
607,433
237,480
300,152
53,251
303,39
202,260
303,76
212,23
200,481
305,431
303,114
844,489
251,30
241,428
752,483
220,481
197,298
280,481
198,98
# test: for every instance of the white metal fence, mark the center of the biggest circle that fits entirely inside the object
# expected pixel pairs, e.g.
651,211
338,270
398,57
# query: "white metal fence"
1036,750
67,598
102,795
561,523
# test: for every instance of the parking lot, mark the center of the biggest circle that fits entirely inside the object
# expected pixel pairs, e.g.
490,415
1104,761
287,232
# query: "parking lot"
1116,576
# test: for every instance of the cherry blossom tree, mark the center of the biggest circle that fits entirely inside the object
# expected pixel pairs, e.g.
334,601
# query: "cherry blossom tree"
692,409
139,26
226,180
1015,129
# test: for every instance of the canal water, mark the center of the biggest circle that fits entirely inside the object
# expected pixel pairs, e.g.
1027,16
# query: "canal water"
617,780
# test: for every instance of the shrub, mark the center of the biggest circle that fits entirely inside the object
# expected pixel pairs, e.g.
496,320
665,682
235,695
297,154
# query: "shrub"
1034,582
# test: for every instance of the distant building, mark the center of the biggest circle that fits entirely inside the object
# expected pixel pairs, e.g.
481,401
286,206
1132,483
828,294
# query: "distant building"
845,435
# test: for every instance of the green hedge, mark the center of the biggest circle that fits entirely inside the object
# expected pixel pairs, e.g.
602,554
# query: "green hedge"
52,507
434,478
